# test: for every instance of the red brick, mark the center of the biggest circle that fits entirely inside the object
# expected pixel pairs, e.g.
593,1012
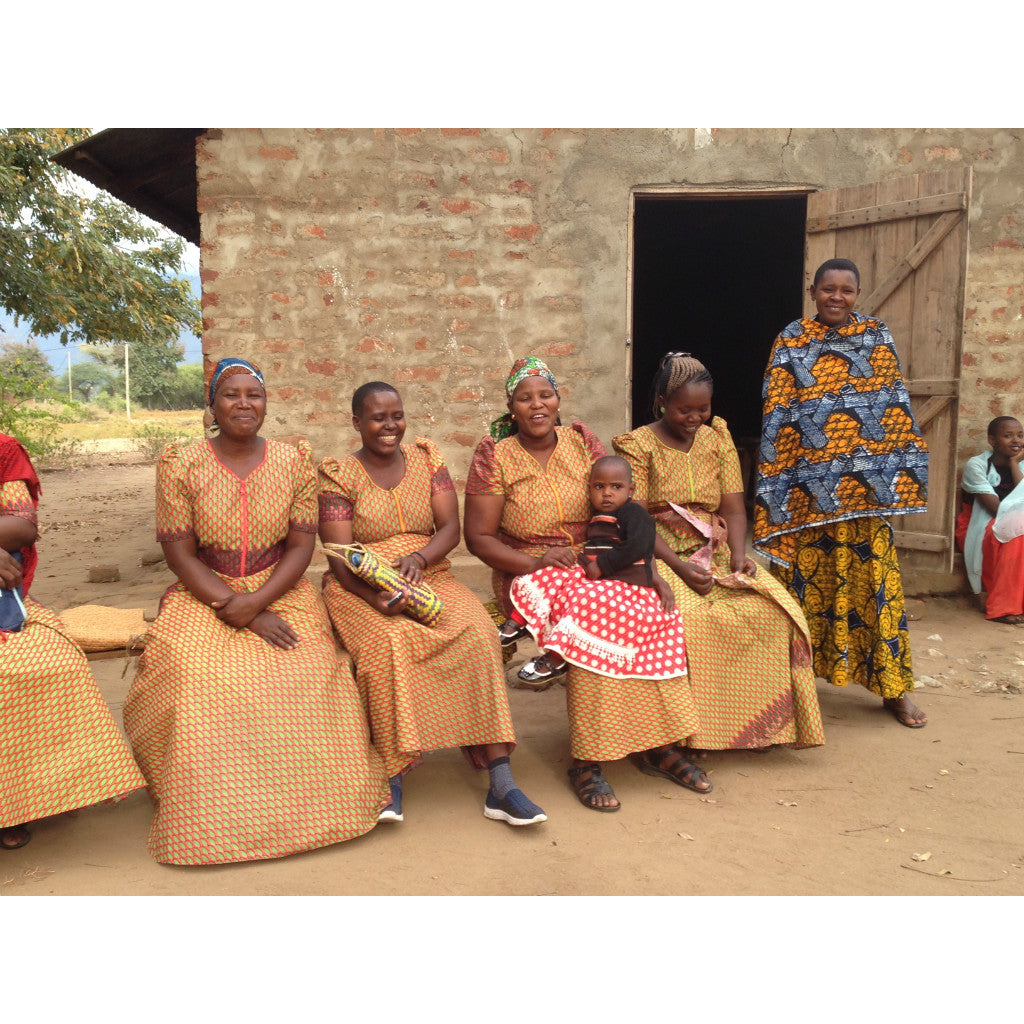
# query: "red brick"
208,275
515,255
328,299
468,395
968,360
315,230
327,367
375,345
368,318
467,281
520,186
455,254
523,231
323,395
280,297
422,205
325,277
454,133
210,299
284,394
456,205
1007,243
559,348
1001,383
420,344
419,373
370,275
277,153
459,325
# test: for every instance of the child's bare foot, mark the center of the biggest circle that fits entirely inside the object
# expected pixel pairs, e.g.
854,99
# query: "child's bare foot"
905,711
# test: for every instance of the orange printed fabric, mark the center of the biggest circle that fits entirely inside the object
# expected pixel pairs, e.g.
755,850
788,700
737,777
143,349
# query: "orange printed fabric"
423,687
747,650
544,506
239,525
61,747
839,438
251,752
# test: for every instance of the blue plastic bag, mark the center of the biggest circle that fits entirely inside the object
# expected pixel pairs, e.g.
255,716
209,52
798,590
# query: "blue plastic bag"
12,609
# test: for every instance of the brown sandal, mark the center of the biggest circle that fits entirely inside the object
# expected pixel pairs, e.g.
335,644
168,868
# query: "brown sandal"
595,784
669,763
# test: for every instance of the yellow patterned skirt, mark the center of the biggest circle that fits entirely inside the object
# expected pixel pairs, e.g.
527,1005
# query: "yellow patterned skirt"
846,577
250,751
60,747
610,718
425,687
750,665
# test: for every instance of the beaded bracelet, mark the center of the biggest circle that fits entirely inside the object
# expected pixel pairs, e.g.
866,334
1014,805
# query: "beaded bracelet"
416,554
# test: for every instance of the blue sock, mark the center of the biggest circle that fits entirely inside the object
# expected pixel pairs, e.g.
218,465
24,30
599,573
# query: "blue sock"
501,776
395,784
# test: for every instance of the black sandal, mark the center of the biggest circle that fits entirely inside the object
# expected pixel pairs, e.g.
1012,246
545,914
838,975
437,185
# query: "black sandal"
679,770
594,785
510,631
539,669
14,837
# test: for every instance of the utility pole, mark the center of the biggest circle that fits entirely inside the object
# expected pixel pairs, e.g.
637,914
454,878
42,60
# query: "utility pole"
127,400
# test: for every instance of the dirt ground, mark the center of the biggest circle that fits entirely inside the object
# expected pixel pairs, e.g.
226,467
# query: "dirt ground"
879,810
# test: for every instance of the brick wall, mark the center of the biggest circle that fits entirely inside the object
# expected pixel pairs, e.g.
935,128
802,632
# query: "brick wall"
433,258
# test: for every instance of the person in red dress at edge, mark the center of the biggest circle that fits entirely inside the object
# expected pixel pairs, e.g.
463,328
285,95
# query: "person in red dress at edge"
60,748
990,527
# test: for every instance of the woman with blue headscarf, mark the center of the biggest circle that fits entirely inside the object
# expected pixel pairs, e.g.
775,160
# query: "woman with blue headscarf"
244,720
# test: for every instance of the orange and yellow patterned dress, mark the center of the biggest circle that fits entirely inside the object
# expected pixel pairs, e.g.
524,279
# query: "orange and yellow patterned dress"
747,649
424,687
608,718
250,751
60,748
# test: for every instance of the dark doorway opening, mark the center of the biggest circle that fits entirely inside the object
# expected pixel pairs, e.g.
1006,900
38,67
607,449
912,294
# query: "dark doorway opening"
719,277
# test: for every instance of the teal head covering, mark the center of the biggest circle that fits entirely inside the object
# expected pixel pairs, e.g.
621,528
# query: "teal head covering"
529,366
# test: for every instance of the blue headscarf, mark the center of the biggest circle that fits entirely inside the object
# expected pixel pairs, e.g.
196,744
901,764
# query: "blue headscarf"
227,368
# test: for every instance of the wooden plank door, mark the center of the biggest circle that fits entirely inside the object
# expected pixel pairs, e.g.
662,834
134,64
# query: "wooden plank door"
909,239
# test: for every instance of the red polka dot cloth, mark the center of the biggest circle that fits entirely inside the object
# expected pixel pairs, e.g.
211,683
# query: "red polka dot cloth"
613,628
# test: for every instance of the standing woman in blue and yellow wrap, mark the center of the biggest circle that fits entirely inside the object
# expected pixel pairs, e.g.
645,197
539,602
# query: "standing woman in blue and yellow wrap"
841,454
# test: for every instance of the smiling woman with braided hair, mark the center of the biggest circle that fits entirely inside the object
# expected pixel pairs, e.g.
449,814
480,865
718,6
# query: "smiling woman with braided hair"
746,639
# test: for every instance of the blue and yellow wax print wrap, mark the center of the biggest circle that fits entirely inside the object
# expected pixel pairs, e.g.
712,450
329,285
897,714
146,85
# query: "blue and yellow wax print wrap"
839,439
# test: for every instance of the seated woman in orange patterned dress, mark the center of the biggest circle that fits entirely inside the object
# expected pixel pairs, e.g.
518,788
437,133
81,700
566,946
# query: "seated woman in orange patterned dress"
527,508
60,748
424,687
243,716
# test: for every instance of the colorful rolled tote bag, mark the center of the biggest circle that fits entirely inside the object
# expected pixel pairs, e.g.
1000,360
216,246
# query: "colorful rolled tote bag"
422,604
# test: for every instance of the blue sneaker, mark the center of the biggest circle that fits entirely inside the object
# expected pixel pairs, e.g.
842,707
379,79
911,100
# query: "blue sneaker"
514,807
393,811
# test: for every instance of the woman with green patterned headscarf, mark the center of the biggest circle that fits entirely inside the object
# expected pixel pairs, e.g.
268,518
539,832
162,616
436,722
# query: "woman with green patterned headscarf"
526,508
